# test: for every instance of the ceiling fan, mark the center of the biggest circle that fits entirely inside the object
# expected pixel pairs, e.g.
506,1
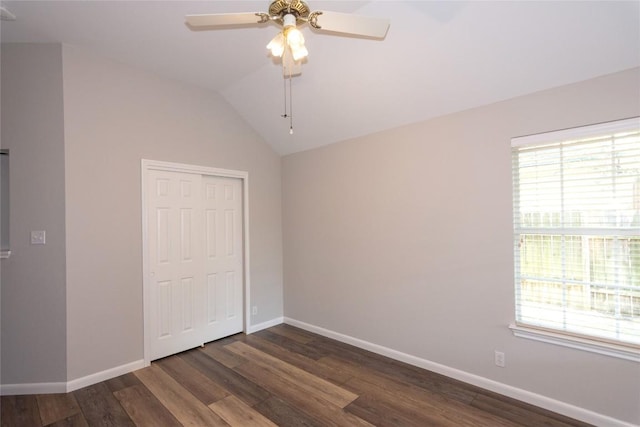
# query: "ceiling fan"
290,14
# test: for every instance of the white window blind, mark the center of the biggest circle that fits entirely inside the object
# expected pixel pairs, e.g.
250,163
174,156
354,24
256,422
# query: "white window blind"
576,201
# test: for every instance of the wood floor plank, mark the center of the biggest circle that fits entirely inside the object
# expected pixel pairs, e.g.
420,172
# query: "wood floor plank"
400,371
325,412
198,384
423,405
382,413
382,397
223,355
381,381
20,411
312,352
285,414
123,381
296,334
234,383
412,399
307,382
76,420
227,340
56,407
100,407
336,376
188,410
522,413
144,408
237,413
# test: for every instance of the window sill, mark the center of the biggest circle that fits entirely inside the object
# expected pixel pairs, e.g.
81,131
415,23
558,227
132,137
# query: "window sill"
612,350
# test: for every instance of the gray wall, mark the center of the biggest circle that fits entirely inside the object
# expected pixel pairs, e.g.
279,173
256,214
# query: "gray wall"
33,278
115,116
75,172
404,239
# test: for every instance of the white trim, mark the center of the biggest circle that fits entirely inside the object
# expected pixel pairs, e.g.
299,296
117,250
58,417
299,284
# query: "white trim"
196,169
147,165
612,127
607,349
245,246
264,325
32,388
62,387
541,401
577,231
105,375
5,254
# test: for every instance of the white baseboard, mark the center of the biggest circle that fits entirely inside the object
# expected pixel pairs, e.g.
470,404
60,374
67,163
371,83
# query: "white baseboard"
104,375
62,387
541,401
264,325
78,383
32,388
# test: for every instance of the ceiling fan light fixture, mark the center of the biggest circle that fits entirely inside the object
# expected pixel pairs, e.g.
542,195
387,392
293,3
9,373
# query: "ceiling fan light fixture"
290,37
299,52
294,37
288,21
276,45
295,40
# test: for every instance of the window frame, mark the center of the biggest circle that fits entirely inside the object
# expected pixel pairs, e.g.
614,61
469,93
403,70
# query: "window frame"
613,348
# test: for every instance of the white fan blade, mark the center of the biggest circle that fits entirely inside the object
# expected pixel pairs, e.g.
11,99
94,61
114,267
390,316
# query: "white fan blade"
357,25
223,19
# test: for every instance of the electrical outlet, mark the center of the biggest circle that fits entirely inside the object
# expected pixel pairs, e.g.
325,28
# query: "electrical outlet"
254,310
499,358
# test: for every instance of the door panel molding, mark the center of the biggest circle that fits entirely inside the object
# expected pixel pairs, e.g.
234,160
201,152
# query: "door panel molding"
153,165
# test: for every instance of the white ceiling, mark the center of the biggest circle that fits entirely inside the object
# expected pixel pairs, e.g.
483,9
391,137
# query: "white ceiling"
438,57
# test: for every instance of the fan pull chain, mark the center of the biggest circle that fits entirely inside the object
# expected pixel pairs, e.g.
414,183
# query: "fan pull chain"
284,87
290,105
288,115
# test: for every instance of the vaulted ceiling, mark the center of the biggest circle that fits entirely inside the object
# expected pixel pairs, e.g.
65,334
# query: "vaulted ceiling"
438,57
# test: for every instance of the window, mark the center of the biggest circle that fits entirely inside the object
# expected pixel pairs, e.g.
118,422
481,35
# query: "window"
576,201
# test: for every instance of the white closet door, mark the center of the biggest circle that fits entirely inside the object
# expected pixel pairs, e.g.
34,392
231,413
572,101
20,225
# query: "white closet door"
194,291
223,256
174,218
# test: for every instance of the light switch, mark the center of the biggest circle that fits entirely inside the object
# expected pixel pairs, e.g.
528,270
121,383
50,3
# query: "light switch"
38,237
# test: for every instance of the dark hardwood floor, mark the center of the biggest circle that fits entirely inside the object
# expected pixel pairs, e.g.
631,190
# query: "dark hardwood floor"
280,376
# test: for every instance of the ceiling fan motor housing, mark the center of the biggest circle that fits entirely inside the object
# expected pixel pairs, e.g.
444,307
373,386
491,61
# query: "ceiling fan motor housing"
298,8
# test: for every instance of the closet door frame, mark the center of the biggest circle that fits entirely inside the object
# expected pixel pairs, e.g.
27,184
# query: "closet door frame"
148,165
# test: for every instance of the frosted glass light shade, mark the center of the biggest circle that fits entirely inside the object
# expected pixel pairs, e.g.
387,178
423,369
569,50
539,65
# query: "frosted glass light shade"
290,38
299,52
276,45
